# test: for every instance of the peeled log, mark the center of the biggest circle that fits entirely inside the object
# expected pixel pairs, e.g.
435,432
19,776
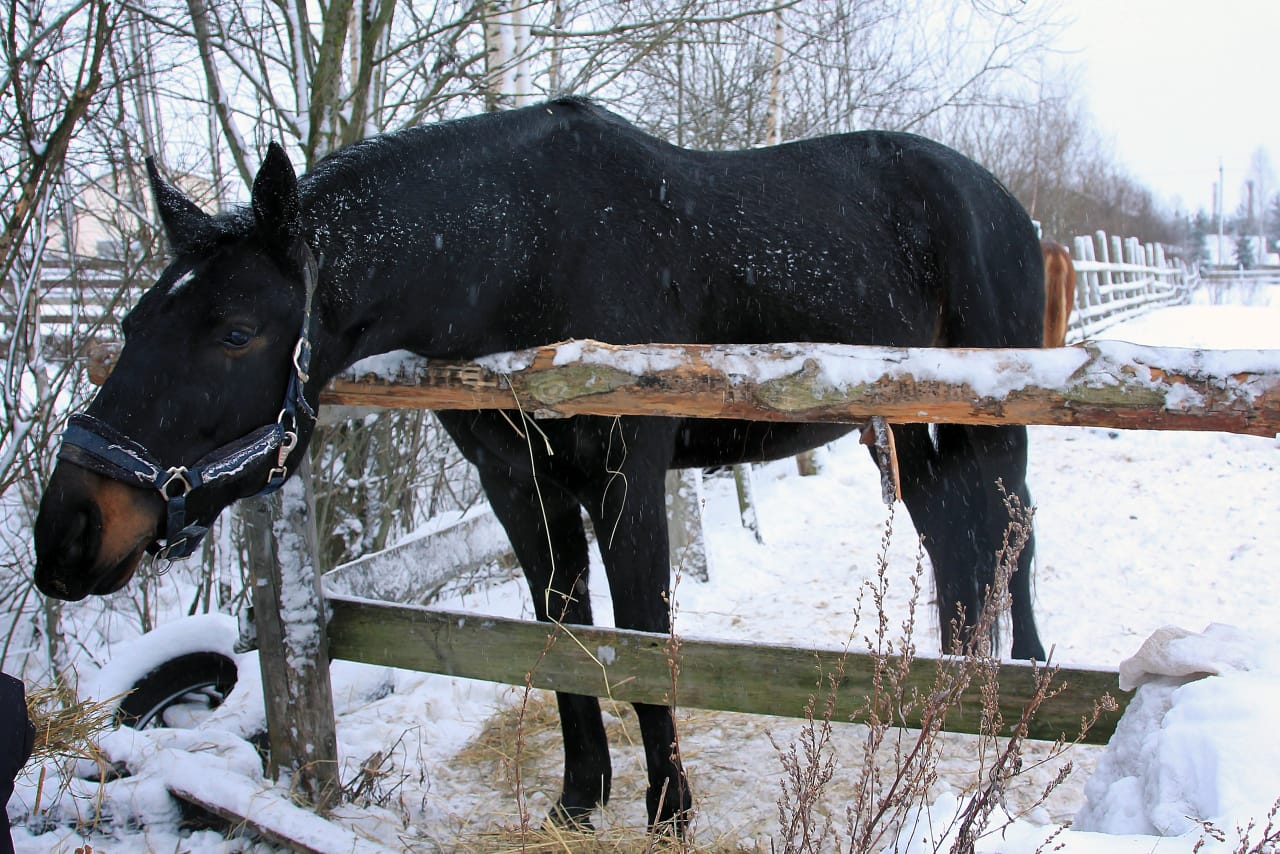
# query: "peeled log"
1099,384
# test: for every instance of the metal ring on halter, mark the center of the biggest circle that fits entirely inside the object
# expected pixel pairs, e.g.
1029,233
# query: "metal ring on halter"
177,475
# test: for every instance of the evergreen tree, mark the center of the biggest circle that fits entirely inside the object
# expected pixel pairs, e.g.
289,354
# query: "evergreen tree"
1198,241
1271,221
1244,252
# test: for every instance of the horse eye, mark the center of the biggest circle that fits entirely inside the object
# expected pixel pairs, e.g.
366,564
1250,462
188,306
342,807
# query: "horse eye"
237,338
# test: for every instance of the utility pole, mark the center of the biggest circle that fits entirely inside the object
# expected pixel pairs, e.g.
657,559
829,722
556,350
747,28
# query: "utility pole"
1219,200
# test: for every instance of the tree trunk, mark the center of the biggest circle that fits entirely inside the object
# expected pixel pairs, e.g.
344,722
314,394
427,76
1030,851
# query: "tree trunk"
686,543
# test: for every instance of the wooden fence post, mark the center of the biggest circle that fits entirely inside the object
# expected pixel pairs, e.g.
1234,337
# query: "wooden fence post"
807,463
1104,255
293,647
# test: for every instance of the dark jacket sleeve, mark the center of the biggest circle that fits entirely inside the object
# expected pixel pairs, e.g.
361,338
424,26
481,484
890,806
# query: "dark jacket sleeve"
17,736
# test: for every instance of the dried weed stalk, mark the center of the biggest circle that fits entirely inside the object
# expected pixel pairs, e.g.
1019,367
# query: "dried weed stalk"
890,805
1268,843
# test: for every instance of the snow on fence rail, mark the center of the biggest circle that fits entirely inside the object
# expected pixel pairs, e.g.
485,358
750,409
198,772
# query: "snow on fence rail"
1120,278
1098,384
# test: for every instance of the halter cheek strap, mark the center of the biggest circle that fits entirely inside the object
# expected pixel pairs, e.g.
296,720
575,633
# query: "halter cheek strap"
93,444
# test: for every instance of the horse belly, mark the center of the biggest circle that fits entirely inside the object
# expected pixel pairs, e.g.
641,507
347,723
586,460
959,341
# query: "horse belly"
704,442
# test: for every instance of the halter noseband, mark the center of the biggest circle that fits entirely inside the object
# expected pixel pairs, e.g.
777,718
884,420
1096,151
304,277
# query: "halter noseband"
96,445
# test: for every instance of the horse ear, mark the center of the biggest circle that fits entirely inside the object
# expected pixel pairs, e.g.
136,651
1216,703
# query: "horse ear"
275,197
184,224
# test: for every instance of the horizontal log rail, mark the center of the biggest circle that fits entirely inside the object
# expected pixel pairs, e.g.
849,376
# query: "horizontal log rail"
630,666
1101,384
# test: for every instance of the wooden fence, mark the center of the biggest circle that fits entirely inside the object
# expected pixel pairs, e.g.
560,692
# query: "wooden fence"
1100,384
1121,278
76,300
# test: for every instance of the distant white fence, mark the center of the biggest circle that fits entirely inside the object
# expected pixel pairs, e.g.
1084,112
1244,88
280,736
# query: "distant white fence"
77,298
1236,275
1121,278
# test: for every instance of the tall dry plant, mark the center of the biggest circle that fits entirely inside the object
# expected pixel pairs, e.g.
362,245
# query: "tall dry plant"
890,800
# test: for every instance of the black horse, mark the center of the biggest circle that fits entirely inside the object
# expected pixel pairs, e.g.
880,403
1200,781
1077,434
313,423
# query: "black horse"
511,230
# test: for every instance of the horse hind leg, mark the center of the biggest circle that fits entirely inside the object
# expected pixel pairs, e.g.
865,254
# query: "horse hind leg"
631,530
1002,456
555,565
950,489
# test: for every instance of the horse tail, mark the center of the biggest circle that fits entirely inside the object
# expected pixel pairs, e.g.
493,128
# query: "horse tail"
1059,292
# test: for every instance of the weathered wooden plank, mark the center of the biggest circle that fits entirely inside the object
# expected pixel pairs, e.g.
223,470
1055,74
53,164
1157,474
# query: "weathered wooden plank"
417,569
1100,384
637,667
276,820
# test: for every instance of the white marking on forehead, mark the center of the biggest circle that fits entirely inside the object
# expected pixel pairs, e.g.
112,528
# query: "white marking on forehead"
181,282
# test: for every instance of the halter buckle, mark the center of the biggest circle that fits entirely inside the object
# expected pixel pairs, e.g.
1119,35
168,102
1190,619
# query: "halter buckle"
177,478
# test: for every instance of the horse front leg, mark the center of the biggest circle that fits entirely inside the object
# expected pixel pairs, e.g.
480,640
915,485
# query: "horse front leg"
547,535
630,521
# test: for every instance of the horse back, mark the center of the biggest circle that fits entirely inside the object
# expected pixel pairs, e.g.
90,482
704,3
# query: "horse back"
864,238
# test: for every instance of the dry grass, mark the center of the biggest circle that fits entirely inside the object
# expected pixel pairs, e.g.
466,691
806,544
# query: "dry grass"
67,730
553,839
67,727
527,733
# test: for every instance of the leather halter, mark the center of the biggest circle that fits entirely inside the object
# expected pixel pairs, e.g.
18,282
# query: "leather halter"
93,444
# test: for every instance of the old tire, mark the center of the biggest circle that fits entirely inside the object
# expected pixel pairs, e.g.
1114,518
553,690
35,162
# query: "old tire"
177,690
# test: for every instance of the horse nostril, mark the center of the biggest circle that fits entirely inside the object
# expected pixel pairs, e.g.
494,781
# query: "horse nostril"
74,546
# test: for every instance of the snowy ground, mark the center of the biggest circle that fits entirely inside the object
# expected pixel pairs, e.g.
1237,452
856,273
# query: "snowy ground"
1135,531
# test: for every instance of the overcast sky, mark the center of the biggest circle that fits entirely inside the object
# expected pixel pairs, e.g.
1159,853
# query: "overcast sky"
1177,84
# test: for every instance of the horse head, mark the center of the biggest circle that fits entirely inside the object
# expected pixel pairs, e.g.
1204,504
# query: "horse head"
207,401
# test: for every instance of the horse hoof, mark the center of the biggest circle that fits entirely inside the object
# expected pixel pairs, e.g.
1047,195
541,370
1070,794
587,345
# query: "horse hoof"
571,818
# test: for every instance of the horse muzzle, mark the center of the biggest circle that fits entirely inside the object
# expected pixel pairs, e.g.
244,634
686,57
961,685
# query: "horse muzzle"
91,532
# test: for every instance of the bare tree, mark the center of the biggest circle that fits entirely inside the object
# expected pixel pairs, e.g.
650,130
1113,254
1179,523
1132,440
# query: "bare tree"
831,66
50,84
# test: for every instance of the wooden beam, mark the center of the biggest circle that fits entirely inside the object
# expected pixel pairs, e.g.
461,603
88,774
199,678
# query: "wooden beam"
632,666
1099,384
